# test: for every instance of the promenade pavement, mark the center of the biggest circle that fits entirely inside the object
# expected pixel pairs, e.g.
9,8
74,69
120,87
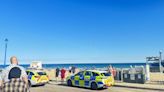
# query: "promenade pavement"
55,87
140,86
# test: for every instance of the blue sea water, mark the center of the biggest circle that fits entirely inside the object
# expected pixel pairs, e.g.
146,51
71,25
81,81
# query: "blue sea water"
87,65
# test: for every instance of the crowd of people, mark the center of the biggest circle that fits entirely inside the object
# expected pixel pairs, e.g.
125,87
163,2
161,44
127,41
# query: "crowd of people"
62,72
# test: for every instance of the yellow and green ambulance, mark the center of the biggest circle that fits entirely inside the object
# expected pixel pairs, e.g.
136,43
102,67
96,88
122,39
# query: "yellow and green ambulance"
93,79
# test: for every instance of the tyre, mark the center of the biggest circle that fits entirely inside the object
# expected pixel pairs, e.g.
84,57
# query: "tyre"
69,83
94,86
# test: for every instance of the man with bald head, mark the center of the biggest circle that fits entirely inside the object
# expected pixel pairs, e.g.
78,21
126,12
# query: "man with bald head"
14,75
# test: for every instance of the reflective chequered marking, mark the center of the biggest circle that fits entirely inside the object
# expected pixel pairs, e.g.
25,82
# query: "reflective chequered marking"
86,83
76,82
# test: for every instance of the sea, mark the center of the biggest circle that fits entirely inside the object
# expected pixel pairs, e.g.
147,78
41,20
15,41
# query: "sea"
85,65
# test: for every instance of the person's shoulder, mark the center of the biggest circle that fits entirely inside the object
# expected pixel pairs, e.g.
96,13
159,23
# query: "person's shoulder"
22,68
8,67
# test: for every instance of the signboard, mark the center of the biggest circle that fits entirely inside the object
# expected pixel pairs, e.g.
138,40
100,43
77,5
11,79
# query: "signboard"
125,75
139,76
132,76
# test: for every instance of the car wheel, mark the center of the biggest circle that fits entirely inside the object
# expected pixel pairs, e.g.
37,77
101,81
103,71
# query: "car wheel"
69,83
94,86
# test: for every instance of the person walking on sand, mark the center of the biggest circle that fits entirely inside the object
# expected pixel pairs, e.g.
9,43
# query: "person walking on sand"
63,71
57,73
14,78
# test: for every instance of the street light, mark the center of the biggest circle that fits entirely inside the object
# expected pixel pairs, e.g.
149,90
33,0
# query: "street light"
160,61
6,41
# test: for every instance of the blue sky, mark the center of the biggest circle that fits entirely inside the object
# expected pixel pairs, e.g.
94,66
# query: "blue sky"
82,31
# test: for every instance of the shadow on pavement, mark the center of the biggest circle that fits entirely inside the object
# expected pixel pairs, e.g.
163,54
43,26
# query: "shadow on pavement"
39,85
160,90
81,87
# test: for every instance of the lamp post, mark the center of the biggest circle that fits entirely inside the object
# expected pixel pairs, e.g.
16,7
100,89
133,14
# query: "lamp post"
160,61
147,69
6,41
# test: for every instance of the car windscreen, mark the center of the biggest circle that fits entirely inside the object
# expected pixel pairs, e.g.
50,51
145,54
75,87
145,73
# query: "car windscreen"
41,73
105,74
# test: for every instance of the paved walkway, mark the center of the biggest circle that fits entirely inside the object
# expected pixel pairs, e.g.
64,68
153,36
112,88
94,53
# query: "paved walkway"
140,86
63,88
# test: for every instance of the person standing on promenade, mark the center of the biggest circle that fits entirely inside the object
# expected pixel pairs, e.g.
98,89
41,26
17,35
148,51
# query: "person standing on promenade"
14,78
112,70
70,69
73,69
63,71
57,73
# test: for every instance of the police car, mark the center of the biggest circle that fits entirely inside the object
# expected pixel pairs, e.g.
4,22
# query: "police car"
37,77
91,79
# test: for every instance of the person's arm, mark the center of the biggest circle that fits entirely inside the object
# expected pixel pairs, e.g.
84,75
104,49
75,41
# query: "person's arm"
24,75
25,79
2,77
0,82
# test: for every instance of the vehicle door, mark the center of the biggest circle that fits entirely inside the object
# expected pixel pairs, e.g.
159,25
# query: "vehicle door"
79,79
87,78
30,75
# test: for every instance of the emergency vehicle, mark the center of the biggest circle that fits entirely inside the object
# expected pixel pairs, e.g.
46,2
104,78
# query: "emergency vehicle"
93,79
37,77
